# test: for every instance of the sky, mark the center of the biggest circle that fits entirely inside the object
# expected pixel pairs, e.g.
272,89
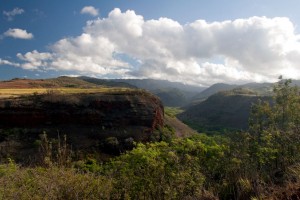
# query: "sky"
196,42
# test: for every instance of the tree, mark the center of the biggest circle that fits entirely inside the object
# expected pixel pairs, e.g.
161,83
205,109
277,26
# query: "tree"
274,128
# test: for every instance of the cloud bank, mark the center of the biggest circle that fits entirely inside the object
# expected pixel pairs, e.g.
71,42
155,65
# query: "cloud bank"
126,45
89,10
18,34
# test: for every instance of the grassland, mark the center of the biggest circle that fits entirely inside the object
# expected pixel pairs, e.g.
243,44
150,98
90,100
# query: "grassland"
181,129
6,93
173,111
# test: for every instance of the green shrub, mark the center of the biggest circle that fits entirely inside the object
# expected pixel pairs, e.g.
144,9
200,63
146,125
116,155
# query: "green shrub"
156,171
51,183
90,165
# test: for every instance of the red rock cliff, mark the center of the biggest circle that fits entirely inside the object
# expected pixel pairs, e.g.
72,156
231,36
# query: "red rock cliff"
117,110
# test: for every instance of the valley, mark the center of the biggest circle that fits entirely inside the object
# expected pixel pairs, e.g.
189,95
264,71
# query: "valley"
149,100
125,135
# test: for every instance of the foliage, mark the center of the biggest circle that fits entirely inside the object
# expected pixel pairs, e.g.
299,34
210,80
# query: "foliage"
157,171
261,163
90,165
275,129
111,145
172,111
165,133
51,183
54,151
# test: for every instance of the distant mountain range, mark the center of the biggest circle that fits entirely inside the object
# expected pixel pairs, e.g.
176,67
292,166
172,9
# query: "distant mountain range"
220,106
58,82
223,106
106,82
261,89
171,93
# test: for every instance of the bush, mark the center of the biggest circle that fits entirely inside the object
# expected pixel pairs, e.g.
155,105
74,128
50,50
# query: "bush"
156,171
51,183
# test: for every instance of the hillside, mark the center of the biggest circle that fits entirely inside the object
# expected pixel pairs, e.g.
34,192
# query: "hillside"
106,82
213,89
180,129
224,110
172,97
105,120
63,81
151,84
57,143
261,89
171,93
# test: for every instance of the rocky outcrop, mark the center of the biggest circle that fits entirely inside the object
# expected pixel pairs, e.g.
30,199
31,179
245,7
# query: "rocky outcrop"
113,112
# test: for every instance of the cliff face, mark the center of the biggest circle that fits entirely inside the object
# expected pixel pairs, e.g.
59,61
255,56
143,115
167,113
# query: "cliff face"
136,113
96,119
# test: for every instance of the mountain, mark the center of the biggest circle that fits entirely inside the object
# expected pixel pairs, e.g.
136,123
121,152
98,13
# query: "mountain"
101,119
261,89
106,82
295,82
215,88
152,84
171,93
224,110
60,82
172,97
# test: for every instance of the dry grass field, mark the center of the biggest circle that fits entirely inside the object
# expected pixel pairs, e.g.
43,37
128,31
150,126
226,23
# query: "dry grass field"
62,85
13,92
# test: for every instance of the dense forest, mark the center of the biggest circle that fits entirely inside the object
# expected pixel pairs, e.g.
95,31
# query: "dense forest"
259,163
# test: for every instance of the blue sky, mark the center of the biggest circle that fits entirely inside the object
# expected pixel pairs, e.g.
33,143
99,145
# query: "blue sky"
197,42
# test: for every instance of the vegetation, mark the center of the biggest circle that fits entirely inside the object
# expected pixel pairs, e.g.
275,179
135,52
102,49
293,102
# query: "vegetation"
261,89
172,96
51,183
173,111
261,163
221,112
19,92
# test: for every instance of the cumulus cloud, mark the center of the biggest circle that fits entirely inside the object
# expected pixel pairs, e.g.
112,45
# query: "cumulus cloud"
34,60
18,34
87,54
201,52
11,14
90,10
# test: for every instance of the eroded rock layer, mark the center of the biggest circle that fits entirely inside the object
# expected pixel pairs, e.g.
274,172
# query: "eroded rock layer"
113,112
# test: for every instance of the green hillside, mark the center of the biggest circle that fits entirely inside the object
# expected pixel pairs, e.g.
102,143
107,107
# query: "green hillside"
106,82
51,142
224,110
261,89
215,88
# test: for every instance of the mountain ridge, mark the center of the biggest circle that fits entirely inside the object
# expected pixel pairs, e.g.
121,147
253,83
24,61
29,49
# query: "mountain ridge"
224,110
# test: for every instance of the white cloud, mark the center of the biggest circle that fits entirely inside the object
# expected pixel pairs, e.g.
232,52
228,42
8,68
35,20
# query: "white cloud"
18,34
34,60
11,14
90,10
87,54
6,62
243,50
